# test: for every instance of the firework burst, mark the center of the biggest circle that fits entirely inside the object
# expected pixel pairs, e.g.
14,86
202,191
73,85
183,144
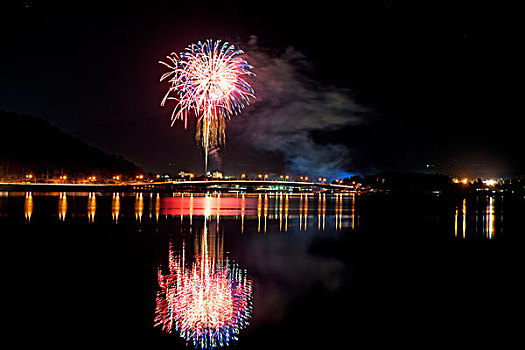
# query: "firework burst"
207,80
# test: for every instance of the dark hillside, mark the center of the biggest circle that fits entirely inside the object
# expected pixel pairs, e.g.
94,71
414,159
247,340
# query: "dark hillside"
31,145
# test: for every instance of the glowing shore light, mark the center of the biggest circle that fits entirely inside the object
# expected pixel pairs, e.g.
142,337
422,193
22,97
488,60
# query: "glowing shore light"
490,183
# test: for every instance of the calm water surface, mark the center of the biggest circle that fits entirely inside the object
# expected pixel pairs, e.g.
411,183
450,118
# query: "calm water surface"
259,271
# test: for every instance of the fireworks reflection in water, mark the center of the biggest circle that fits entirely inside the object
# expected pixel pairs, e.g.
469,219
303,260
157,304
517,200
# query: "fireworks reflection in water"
207,301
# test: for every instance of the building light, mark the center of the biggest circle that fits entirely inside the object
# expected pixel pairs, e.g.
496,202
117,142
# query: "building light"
490,182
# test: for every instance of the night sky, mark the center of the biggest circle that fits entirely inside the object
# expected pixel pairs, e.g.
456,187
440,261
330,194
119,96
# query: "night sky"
342,87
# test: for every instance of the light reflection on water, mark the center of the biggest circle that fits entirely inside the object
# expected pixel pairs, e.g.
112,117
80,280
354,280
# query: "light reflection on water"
91,207
28,206
62,206
115,207
207,299
480,216
306,211
139,206
292,250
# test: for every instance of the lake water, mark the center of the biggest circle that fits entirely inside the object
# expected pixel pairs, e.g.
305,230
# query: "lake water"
260,271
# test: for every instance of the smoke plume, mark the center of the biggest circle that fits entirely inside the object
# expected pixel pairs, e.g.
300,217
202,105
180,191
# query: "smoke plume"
290,106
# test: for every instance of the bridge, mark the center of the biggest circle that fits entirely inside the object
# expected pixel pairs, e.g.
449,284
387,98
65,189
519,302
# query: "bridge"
239,185
180,186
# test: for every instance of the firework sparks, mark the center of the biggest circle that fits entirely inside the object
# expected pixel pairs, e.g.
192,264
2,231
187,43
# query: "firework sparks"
207,79
206,303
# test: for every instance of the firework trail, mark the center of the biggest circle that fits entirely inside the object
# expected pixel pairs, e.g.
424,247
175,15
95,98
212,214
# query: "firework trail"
207,80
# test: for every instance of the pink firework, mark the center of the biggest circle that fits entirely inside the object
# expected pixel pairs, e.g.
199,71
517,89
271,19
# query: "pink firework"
207,79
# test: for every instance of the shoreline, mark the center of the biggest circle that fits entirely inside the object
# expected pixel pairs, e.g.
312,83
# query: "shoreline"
46,187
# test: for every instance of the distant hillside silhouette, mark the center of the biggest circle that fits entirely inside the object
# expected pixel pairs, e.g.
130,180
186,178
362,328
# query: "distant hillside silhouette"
30,145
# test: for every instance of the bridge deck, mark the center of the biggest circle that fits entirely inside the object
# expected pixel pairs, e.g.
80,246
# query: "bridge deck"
251,184
172,186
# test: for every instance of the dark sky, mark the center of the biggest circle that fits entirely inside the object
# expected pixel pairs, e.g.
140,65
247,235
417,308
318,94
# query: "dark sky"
342,87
